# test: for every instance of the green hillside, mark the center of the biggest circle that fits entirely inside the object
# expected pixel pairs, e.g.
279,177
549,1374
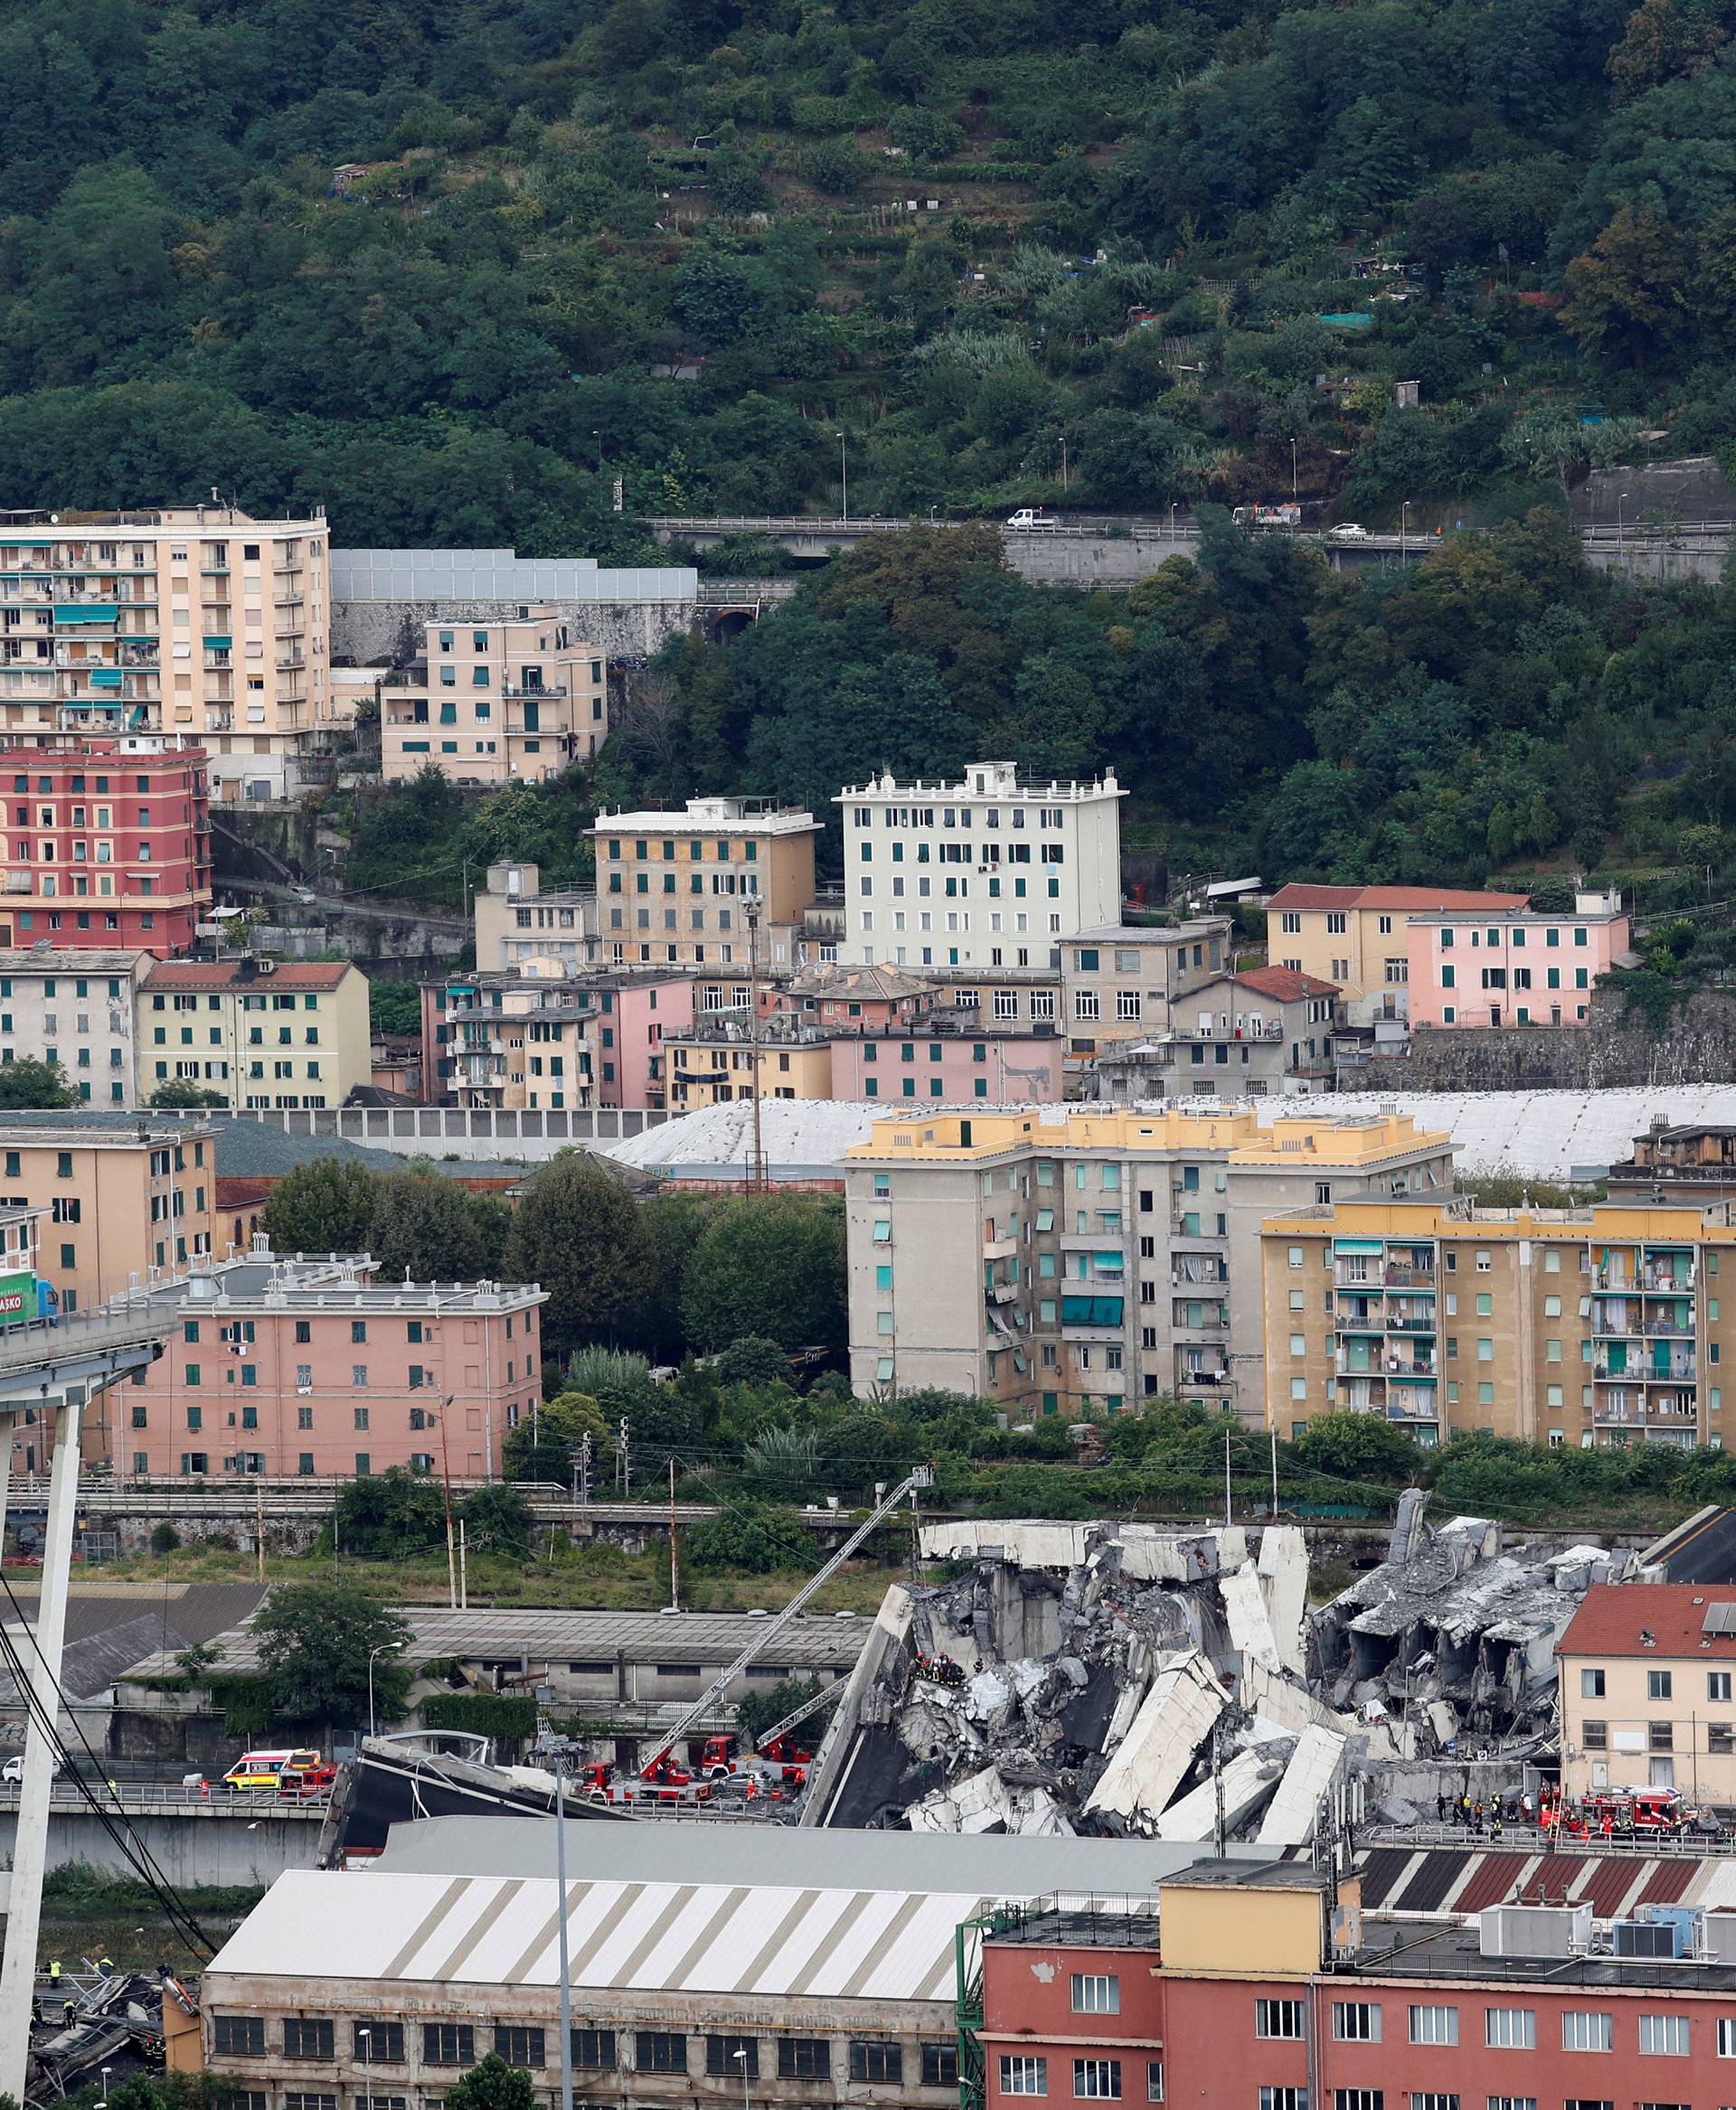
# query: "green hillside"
1531,201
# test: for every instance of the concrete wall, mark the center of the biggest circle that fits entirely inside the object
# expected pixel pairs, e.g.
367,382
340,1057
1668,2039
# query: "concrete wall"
217,1848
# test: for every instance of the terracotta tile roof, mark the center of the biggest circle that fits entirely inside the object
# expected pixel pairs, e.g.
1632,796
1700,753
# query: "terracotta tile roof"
1613,1619
1283,985
1409,900
244,973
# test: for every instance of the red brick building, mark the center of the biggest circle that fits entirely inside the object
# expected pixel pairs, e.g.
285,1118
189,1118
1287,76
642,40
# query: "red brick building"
104,842
1254,1988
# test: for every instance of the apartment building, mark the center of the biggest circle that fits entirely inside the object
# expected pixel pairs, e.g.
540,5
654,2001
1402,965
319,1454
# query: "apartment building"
986,872
675,889
1357,937
281,1033
551,1043
74,1008
307,1367
519,923
195,622
124,1196
497,702
1688,1159
1276,1987
1522,968
1122,983
1081,1261
1598,1326
1263,1033
1644,1676
23,1228
104,844
949,1061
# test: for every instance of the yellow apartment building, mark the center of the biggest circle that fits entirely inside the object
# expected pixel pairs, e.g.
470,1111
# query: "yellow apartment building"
126,1196
500,703
195,620
1063,1261
1597,1326
290,1034
1356,938
673,889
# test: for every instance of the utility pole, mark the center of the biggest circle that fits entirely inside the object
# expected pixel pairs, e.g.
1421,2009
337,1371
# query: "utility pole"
446,1467
560,1749
464,1570
259,1524
843,471
675,1563
1227,1517
626,1454
758,1179
1274,1474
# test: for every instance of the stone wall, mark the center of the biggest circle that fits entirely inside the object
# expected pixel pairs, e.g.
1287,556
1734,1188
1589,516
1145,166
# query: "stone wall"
365,631
1699,1048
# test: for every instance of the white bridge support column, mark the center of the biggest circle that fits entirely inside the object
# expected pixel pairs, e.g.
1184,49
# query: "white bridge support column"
29,1853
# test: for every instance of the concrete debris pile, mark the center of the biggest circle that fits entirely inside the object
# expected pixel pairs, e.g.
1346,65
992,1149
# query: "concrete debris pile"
1451,1638
1102,1678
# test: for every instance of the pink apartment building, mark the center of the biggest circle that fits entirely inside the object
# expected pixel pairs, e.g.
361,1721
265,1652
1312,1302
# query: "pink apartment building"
1007,1069
306,1367
1513,968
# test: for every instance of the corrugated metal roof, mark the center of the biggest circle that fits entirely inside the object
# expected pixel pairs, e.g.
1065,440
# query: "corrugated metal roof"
499,575
990,1864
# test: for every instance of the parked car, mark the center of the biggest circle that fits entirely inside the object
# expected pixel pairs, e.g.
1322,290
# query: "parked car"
1350,530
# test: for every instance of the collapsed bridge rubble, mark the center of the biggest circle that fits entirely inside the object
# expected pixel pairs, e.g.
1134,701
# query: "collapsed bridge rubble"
1110,1678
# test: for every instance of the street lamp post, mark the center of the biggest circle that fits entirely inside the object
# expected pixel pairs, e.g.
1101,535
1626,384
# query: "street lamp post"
741,2055
385,1649
1064,461
1405,515
843,471
364,2037
1292,465
560,1749
1621,501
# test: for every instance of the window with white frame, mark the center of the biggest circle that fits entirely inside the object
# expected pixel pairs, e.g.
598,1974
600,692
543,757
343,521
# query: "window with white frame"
1434,2102
1727,2036
1359,2099
1356,2021
1585,2029
1153,2081
1022,2075
1283,2099
1663,2036
1434,2025
1096,2080
1096,1993
1278,2018
1513,2103
1511,2028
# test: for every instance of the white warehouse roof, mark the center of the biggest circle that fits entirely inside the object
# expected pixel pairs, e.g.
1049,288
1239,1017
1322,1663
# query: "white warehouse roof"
753,1938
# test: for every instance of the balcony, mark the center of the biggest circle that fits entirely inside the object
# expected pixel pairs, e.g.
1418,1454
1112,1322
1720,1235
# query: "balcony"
1180,1279
533,695
1207,1327
1178,1229
1262,1030
1404,1323
1411,1403
1001,1248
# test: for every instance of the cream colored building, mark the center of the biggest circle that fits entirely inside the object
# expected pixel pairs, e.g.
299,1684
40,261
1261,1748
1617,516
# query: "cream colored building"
1356,936
197,620
291,1033
1081,1262
1601,1327
1648,1691
674,888
76,1009
1121,983
519,924
499,703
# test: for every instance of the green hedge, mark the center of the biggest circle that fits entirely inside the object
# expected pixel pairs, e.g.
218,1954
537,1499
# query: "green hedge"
485,1714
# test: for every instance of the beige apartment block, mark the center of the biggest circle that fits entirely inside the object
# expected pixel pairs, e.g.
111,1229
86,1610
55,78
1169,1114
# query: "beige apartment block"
195,620
74,1008
497,703
518,923
1648,1691
1600,1326
1356,936
129,1199
291,1033
674,888
1079,1262
1120,982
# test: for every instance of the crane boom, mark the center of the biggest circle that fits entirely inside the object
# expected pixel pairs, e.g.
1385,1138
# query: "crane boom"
921,1476
811,1705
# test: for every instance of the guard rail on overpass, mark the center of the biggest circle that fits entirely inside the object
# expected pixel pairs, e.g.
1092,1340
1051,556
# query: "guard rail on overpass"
149,1799
45,1355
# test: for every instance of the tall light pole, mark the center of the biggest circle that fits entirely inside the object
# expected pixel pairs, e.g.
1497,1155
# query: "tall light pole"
843,471
1292,465
741,2055
1064,461
752,913
559,1748
1405,512
386,1648
1621,500
364,2037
